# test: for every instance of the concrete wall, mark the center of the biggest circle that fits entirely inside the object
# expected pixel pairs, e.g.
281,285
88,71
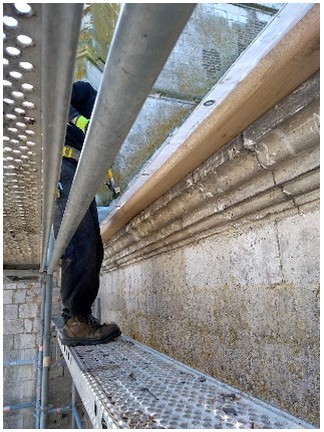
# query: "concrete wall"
222,273
158,117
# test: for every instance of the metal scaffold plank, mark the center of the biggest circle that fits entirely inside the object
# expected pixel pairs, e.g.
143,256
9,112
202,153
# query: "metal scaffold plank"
126,385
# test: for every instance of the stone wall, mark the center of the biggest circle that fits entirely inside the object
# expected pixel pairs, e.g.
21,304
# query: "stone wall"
222,273
21,312
214,37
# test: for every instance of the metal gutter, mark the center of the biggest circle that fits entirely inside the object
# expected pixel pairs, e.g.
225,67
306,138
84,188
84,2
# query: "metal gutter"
143,40
284,56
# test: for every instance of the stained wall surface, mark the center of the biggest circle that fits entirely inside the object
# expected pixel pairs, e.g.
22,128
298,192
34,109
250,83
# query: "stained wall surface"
214,37
222,273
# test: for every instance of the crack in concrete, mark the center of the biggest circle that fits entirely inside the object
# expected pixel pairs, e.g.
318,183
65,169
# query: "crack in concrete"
279,251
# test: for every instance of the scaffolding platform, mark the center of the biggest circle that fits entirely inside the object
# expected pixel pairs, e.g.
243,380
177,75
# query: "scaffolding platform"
126,385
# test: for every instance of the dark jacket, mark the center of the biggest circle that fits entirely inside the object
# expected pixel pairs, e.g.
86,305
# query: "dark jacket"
82,101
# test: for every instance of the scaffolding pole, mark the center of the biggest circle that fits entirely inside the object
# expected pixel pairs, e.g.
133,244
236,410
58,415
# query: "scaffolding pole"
61,28
144,37
40,355
15,407
142,42
76,420
19,363
46,350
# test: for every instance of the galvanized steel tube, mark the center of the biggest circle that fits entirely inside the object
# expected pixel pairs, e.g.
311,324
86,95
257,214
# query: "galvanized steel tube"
61,27
16,407
46,351
76,419
40,355
18,363
142,42
61,410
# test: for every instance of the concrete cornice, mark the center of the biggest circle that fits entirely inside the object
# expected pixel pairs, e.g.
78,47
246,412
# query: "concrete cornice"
271,168
284,56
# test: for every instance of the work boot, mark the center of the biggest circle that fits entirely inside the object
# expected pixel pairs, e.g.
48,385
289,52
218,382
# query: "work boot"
80,330
93,321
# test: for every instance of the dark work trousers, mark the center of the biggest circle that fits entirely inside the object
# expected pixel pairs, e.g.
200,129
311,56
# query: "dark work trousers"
82,258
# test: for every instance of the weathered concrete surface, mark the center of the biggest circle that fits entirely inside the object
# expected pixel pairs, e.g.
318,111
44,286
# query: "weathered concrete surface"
222,272
241,306
248,179
213,39
215,35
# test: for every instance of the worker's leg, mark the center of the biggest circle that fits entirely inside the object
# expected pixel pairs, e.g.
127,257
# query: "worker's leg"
80,265
80,278
81,262
99,246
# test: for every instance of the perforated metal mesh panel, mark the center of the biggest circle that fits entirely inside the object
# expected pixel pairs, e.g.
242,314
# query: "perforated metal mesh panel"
124,384
22,135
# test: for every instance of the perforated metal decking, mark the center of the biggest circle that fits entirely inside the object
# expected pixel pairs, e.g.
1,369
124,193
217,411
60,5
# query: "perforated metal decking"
126,385
22,136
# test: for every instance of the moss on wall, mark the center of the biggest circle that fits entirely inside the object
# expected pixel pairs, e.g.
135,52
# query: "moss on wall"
157,120
214,37
104,19
99,22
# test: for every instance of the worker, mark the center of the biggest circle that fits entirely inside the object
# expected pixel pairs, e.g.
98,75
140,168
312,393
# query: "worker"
82,258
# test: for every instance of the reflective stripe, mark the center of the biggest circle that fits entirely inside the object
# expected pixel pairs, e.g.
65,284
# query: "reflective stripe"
81,122
70,152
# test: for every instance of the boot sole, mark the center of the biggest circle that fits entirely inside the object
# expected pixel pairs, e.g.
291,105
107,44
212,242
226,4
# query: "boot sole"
68,341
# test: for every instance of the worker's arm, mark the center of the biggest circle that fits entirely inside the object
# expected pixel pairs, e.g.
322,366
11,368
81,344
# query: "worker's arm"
82,101
73,114
81,122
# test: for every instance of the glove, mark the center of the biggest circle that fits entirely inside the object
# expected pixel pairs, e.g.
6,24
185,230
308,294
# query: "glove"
112,185
82,123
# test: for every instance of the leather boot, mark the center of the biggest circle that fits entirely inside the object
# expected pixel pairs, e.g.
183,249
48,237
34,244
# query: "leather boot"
80,330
